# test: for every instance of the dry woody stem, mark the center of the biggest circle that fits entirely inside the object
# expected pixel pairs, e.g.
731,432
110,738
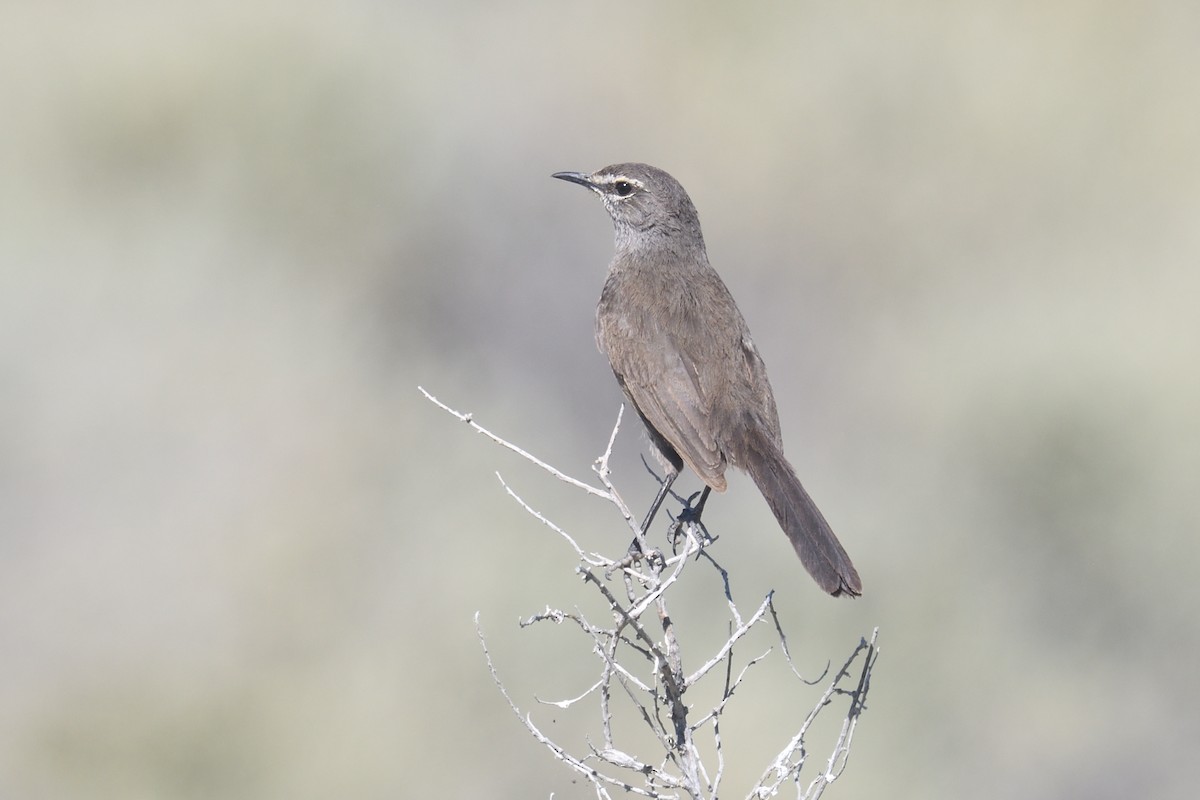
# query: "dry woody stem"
641,675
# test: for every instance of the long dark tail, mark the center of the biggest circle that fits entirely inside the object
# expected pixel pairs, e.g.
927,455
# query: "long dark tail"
819,550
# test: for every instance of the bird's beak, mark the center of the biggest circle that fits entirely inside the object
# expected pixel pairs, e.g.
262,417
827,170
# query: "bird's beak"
582,178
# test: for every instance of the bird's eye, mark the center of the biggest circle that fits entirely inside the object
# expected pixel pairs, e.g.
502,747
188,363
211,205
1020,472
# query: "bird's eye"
624,188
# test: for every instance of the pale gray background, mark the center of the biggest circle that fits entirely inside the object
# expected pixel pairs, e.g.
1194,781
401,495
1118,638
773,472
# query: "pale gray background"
239,554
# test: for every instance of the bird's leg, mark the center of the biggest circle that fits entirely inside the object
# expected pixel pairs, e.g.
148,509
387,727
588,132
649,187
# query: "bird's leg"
663,491
693,512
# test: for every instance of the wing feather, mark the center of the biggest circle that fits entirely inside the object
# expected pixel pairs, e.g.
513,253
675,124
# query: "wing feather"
668,395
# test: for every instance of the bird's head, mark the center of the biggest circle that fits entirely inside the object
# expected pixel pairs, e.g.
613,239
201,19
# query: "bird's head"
646,204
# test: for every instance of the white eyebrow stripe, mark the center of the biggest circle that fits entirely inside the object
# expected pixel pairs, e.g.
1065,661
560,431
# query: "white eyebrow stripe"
615,179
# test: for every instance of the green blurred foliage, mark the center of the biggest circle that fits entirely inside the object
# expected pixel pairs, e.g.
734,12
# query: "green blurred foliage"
239,554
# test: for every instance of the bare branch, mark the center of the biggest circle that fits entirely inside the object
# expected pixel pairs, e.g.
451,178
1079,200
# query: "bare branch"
562,476
602,471
641,678
593,559
728,646
787,764
597,778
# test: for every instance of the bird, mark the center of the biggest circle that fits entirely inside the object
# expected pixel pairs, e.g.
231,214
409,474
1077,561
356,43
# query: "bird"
683,356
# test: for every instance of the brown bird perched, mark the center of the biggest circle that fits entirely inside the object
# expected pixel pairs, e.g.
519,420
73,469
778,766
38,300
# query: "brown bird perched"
683,355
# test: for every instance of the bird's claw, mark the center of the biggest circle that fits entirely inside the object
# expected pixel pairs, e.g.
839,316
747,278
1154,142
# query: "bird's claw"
690,515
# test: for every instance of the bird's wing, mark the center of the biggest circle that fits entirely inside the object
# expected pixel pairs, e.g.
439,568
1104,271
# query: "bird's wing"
664,386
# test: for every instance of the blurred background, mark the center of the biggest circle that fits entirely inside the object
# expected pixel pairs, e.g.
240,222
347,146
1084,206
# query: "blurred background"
240,554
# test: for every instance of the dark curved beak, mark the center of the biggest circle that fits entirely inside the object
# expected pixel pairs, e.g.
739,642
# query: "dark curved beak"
582,178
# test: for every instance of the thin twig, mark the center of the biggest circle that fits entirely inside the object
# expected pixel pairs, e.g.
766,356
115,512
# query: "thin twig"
562,476
660,699
728,646
783,766
593,559
595,776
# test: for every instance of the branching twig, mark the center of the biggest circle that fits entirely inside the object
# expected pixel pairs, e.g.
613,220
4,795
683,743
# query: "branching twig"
562,476
664,699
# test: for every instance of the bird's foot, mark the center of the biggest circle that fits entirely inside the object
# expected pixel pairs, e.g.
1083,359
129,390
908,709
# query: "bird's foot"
689,515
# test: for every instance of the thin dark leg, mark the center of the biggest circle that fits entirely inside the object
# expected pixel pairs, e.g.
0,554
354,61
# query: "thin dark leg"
663,491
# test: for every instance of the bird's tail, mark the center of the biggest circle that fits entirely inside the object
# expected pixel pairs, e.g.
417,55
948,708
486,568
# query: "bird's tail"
819,550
